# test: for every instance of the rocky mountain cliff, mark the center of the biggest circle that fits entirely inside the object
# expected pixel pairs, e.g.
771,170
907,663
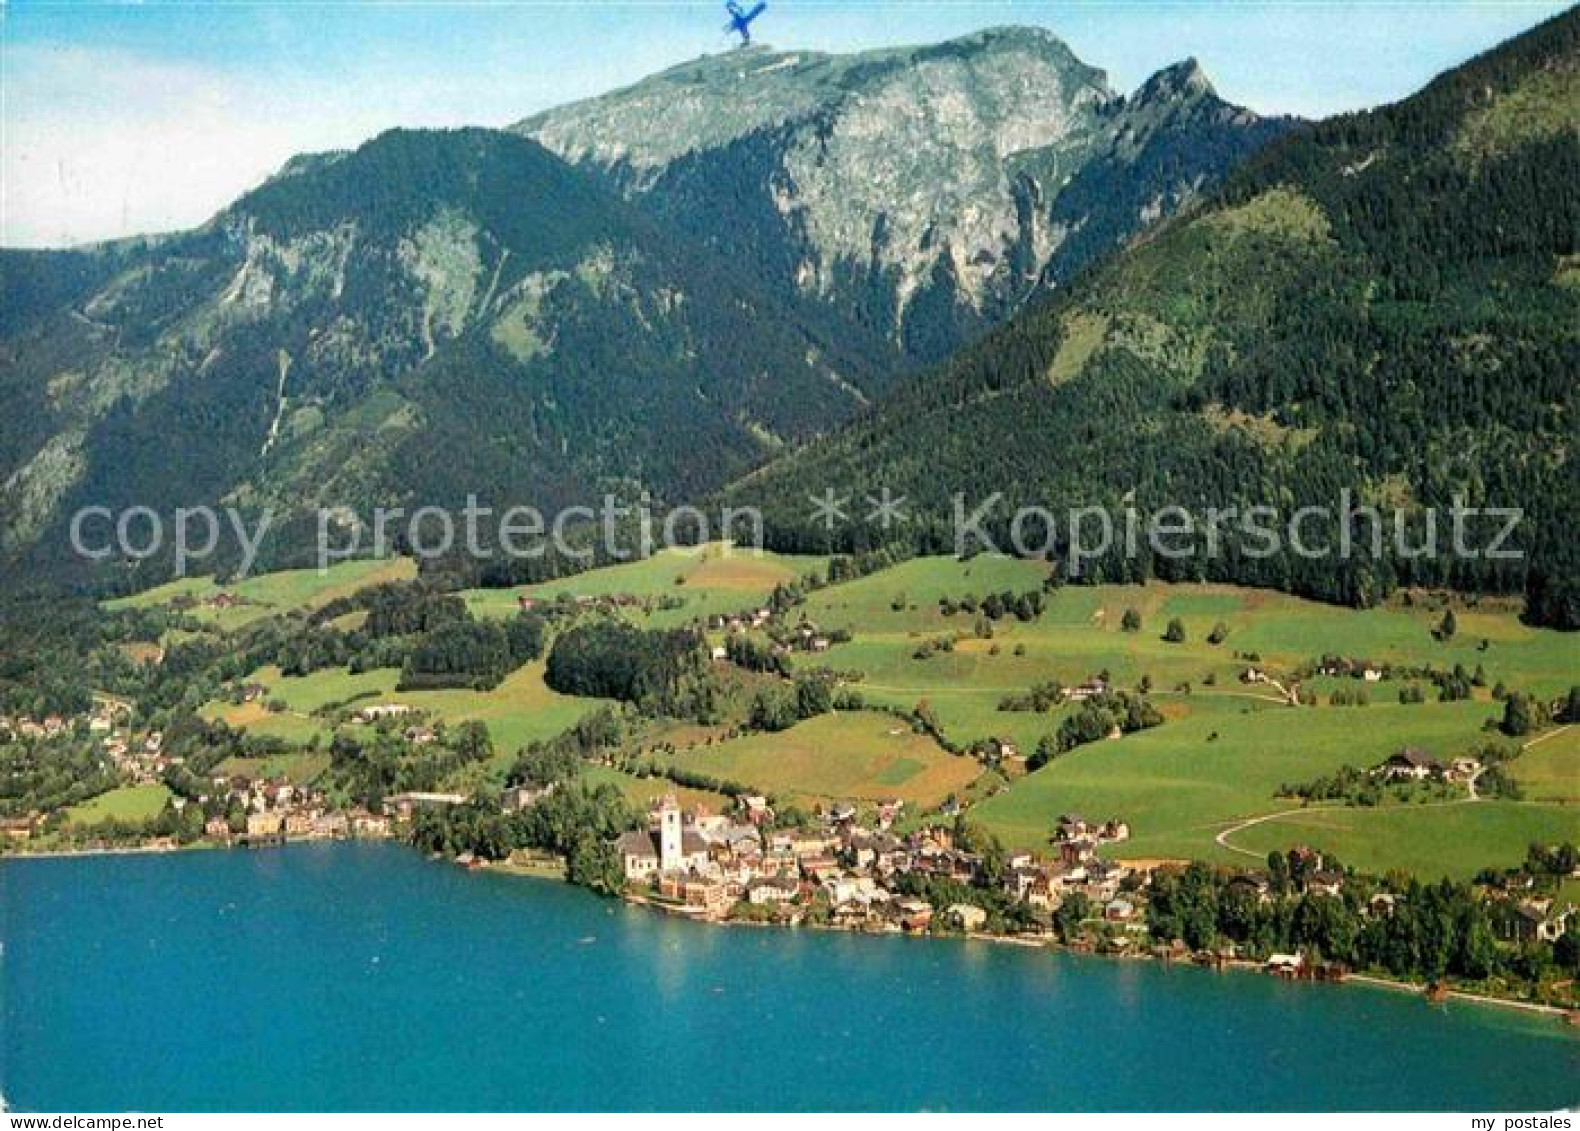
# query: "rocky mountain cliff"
1384,303
921,193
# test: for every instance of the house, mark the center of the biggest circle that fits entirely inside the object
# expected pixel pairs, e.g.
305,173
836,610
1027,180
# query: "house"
265,826
420,736
1411,764
772,890
1533,919
216,828
1253,885
969,916
1072,826
525,602
331,826
403,805
371,825
638,853
1119,911
1463,769
1077,851
383,711
1324,883
1287,964
523,794
914,914
16,828
706,893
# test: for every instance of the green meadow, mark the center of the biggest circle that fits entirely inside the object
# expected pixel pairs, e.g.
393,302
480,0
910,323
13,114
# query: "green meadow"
1454,840
128,803
1181,783
520,710
1217,761
711,579
641,792
848,755
271,594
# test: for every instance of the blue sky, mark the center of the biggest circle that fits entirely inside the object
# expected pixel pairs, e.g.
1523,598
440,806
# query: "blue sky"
130,117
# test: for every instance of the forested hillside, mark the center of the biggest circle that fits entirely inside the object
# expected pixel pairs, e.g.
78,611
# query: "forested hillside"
435,314
1387,302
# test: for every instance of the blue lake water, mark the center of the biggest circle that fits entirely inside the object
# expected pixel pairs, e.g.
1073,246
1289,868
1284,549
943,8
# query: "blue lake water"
351,977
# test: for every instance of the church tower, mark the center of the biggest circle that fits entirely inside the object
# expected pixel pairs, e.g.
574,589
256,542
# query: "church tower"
669,847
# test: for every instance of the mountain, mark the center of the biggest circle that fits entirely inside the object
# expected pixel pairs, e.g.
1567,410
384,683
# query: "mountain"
1387,302
918,195
682,281
434,314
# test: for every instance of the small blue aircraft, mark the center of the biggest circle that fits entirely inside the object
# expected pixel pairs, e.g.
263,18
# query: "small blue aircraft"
741,20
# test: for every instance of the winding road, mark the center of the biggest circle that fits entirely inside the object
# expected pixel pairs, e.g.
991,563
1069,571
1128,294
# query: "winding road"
1472,796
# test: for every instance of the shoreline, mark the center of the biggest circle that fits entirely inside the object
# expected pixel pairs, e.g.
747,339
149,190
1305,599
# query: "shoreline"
553,870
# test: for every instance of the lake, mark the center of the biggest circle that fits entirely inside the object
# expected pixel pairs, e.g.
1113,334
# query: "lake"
363,976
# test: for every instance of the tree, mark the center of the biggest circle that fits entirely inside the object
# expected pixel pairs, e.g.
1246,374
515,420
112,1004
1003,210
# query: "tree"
1447,627
1219,633
1175,632
1518,718
1131,621
1074,911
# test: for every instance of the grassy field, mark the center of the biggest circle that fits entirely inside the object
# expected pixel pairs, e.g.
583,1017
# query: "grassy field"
1549,768
852,755
129,803
519,710
709,579
272,593
1429,841
1219,759
640,792
1178,787
303,769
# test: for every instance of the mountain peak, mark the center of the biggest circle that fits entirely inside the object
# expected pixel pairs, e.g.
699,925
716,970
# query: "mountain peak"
1184,80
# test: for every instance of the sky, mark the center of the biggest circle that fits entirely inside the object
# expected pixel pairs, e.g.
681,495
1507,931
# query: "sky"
130,117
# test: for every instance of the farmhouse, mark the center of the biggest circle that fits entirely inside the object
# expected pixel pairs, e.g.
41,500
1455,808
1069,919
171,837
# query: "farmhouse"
1412,764
383,711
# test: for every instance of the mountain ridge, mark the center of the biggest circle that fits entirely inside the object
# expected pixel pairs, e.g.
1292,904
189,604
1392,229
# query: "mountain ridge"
921,192
1383,302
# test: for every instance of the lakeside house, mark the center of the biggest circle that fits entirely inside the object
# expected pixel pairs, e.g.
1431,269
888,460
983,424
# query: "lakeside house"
402,806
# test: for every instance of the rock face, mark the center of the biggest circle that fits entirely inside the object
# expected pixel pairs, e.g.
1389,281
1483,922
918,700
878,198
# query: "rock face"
921,193
1382,303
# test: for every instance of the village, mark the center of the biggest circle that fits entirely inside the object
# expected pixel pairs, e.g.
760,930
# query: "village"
855,865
